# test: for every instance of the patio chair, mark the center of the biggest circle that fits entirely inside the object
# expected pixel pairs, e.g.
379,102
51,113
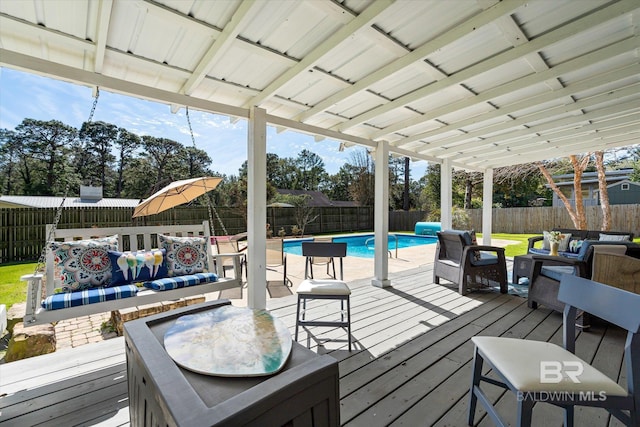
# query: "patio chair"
321,260
538,371
330,289
229,255
276,256
468,265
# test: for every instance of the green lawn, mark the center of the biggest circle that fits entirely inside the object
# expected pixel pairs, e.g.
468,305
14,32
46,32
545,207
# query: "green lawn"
12,290
516,249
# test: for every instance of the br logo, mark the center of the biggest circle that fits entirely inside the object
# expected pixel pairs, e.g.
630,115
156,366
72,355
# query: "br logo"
552,372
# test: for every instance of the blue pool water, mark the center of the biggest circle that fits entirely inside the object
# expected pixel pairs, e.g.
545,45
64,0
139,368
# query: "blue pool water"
362,245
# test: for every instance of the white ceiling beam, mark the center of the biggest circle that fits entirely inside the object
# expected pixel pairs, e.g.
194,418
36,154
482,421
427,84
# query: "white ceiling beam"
617,126
608,96
309,61
571,29
572,121
220,46
78,76
532,79
565,92
102,31
467,27
14,26
544,150
514,34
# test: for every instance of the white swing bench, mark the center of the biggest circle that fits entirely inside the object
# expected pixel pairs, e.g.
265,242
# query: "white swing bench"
36,314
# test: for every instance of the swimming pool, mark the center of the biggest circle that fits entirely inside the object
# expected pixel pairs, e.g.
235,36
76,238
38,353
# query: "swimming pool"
362,244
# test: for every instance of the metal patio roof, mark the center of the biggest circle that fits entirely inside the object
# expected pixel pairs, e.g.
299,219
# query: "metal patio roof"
479,82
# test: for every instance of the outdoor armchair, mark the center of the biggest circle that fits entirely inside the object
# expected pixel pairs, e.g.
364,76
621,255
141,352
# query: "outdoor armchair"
468,265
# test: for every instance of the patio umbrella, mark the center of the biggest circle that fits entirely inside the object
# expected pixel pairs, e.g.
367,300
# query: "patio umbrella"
175,194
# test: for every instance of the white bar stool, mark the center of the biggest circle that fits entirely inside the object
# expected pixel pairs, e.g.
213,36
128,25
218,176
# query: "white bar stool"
331,289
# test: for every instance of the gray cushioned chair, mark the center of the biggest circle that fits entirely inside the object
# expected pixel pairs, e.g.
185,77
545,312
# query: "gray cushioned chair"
467,265
566,381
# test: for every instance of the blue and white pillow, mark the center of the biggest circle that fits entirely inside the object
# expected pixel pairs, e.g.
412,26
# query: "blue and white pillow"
82,264
185,255
575,245
140,266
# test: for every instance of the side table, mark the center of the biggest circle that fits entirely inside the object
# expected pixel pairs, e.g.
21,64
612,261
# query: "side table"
522,267
161,393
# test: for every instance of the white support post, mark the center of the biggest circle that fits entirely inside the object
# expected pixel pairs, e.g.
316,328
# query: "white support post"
487,206
381,216
446,198
257,209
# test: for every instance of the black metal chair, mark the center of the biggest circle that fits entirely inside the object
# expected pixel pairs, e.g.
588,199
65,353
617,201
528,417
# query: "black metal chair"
331,289
537,371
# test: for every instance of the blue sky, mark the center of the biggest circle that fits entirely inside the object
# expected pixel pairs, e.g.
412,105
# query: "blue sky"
24,95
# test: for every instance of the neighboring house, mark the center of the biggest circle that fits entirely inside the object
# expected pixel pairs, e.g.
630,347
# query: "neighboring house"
318,199
590,192
89,197
624,193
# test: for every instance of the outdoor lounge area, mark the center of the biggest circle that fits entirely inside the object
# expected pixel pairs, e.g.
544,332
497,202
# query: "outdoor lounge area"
473,85
410,364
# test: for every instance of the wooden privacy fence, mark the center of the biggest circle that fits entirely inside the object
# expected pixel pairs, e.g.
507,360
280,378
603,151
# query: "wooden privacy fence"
22,231
535,220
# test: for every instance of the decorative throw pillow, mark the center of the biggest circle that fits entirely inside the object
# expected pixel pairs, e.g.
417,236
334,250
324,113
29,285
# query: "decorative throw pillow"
474,241
575,245
614,237
564,242
185,255
141,266
546,244
83,264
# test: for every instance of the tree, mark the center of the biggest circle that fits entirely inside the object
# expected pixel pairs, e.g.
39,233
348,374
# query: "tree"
362,184
311,172
304,214
48,144
9,161
126,144
430,195
337,186
604,194
196,162
97,139
163,155
579,164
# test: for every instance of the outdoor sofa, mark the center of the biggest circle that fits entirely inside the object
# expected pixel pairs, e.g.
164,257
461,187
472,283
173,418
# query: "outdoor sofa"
547,271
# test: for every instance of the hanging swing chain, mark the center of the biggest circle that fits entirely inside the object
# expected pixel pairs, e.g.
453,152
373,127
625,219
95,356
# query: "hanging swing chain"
210,206
193,139
95,104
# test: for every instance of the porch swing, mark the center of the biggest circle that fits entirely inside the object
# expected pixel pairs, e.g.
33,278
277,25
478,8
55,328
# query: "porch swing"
85,271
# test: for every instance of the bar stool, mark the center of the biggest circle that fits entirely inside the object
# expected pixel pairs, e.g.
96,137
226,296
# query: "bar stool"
331,289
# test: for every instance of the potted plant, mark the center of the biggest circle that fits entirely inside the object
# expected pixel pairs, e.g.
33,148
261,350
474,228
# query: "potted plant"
554,241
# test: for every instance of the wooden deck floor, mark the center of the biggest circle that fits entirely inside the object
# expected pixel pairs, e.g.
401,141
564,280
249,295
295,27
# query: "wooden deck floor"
411,364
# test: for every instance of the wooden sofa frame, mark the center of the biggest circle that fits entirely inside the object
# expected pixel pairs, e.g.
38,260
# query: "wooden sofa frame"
129,238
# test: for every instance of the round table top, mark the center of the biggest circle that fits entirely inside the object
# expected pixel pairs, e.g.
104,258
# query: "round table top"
230,342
